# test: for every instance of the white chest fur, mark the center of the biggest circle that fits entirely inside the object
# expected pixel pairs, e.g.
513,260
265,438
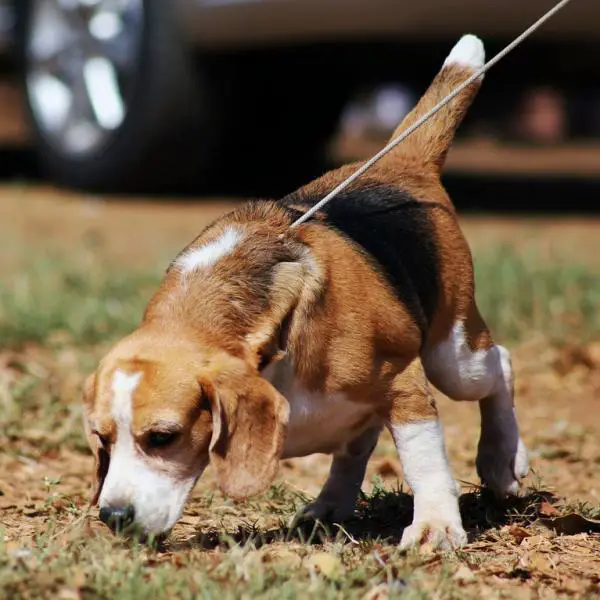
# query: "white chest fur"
318,423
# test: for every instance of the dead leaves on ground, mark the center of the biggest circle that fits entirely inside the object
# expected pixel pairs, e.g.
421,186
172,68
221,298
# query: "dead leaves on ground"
572,524
573,356
326,564
533,541
559,551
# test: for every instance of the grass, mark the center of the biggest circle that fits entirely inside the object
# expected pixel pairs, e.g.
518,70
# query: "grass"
69,559
85,300
89,303
65,303
57,317
519,293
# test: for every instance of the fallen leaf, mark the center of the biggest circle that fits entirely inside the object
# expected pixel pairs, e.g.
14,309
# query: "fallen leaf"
572,524
555,453
572,357
535,541
518,533
191,520
79,579
593,352
283,557
384,590
579,551
36,512
69,594
547,510
540,563
327,564
463,575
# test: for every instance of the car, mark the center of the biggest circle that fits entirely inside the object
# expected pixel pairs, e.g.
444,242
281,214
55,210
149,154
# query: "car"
133,94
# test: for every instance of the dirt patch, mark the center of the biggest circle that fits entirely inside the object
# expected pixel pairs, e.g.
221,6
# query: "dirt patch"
516,550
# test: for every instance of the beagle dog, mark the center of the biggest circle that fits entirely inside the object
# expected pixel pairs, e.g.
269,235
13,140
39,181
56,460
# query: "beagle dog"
267,342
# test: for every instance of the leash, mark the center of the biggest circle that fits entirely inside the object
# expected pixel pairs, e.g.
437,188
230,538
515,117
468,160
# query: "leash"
391,145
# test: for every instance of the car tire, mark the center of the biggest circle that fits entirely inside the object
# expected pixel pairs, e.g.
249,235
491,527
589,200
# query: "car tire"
167,107
247,122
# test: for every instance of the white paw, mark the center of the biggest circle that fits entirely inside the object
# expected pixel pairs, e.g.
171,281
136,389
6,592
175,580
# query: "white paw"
325,511
501,465
434,535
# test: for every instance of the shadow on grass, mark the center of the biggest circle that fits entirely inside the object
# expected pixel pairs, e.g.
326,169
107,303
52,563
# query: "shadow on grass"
382,517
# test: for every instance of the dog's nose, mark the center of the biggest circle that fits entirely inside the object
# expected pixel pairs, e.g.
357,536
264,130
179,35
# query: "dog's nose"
118,519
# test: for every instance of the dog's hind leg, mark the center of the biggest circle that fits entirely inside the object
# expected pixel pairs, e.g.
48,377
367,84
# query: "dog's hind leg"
468,365
337,499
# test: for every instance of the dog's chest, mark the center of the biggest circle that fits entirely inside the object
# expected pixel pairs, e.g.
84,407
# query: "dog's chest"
318,422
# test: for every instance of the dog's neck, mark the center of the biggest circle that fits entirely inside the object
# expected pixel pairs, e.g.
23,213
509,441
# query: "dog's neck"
235,284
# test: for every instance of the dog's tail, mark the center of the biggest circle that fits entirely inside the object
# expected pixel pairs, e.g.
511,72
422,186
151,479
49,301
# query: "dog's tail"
429,144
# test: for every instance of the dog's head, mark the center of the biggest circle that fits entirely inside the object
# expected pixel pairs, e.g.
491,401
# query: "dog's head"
185,389
155,421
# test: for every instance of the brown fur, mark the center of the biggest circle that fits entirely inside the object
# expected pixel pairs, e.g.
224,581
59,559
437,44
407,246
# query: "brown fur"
429,146
307,292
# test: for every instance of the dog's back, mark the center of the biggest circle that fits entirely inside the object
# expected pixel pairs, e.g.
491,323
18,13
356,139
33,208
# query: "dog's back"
397,234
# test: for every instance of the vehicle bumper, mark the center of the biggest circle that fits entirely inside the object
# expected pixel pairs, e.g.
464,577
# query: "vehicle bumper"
242,23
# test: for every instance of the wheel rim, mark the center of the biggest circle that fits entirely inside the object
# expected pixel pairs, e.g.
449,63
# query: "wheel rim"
82,58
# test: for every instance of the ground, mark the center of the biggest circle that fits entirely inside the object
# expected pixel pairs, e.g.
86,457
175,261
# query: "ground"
75,273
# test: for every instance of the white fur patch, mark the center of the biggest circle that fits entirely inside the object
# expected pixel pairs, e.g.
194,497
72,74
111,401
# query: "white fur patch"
158,499
317,423
123,386
468,52
484,375
461,373
208,255
426,469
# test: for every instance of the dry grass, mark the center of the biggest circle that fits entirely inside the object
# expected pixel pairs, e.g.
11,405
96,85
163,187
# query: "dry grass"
57,316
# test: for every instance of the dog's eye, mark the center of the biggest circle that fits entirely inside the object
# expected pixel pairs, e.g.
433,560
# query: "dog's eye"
160,439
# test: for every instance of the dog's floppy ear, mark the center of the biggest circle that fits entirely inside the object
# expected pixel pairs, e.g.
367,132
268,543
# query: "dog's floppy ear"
101,456
248,433
269,339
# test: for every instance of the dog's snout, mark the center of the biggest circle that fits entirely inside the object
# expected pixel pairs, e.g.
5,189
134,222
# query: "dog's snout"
118,519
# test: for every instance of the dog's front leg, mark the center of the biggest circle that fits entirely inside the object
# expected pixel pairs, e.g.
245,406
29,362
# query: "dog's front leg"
414,424
337,499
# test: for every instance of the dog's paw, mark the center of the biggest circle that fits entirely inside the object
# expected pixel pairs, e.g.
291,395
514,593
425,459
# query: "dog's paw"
324,511
433,535
502,466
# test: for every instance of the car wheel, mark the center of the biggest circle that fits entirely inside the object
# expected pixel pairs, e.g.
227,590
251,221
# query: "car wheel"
112,94
119,102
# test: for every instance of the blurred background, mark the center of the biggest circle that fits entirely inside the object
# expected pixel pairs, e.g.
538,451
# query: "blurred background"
254,97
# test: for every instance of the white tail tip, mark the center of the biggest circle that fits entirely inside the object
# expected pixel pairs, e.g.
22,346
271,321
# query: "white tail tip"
468,52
